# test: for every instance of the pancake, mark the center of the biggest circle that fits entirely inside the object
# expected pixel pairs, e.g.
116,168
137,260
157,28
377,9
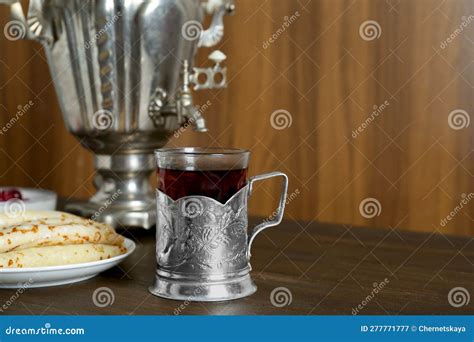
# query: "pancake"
30,235
58,255
46,238
52,217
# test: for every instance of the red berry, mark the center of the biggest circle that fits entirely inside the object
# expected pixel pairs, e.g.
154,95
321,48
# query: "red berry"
9,194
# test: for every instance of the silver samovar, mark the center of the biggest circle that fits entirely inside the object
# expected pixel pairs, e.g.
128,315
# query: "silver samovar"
123,73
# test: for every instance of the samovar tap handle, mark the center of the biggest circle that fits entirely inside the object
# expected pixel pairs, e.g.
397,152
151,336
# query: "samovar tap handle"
215,32
215,77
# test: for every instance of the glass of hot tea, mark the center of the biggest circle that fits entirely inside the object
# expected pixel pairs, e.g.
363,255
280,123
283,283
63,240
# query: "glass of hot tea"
202,237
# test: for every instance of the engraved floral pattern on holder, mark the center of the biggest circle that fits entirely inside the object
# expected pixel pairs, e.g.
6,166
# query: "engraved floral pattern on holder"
214,240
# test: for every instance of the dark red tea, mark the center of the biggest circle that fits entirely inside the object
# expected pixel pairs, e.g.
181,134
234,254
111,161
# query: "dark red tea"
220,185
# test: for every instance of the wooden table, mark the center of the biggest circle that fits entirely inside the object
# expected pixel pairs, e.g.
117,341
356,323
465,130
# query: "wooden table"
327,269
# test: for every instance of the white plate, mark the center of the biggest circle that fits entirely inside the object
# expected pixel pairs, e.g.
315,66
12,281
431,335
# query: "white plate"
12,278
33,199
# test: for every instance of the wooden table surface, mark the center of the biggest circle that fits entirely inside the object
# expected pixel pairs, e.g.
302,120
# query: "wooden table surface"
326,269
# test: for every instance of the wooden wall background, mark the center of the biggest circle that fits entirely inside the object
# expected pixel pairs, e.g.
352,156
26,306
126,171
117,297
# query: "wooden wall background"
328,79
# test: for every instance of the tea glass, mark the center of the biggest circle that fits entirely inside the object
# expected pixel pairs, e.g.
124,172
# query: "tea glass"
202,240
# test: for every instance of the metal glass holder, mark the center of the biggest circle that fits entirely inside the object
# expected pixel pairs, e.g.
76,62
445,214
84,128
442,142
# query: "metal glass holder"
203,246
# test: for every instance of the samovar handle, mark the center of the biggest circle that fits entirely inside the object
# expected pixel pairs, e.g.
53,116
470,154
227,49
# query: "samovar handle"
16,28
31,27
215,32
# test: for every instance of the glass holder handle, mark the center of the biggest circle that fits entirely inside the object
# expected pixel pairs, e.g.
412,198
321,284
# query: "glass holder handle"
276,220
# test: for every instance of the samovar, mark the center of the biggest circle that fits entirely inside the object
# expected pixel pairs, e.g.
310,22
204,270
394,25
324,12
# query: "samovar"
124,72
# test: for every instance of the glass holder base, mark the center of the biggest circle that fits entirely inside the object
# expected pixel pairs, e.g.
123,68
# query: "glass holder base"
203,291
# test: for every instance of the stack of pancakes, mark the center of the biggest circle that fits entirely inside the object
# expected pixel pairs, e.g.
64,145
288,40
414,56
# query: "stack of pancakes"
52,238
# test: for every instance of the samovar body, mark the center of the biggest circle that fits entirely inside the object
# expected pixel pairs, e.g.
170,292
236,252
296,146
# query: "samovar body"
123,73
